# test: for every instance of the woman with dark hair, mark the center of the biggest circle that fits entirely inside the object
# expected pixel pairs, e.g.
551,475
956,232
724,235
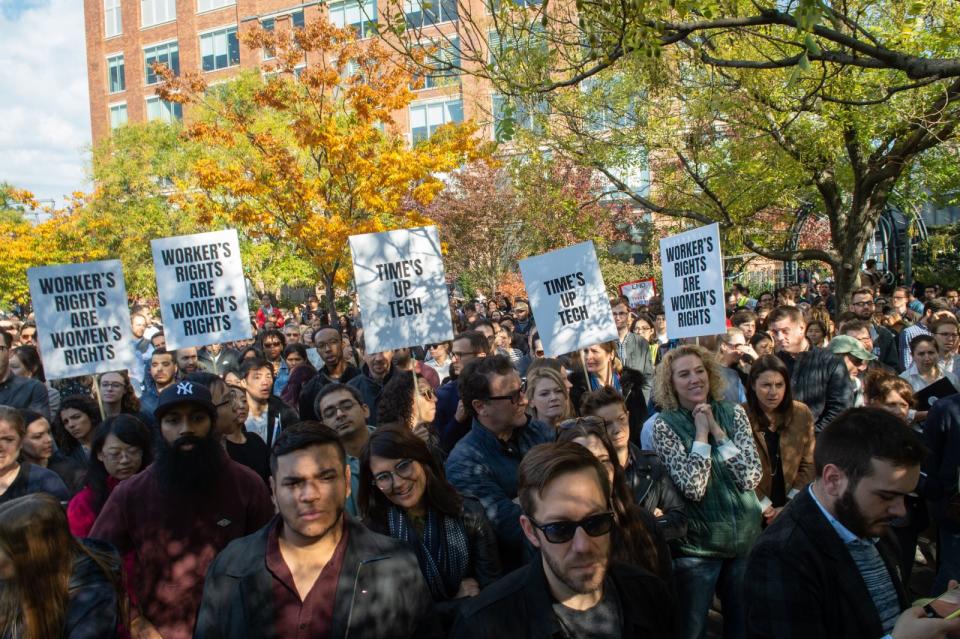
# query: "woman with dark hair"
74,426
54,584
817,333
38,449
783,433
120,449
403,494
18,479
251,351
637,539
25,362
762,343
301,372
399,404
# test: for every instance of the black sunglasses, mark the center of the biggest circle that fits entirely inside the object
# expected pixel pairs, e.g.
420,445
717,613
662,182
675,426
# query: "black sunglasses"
514,397
561,532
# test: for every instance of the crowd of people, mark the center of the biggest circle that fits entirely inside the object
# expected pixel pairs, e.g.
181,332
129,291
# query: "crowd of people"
794,469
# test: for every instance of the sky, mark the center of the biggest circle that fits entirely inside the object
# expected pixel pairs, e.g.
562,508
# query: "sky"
44,103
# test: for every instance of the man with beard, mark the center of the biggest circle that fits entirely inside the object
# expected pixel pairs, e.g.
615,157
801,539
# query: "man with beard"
484,464
883,341
314,571
572,589
176,515
335,369
188,361
163,373
826,567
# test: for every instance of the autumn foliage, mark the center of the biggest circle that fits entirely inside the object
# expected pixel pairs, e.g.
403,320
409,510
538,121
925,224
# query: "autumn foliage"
311,155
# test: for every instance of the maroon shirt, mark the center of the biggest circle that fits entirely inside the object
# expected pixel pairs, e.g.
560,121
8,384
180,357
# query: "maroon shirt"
311,618
176,537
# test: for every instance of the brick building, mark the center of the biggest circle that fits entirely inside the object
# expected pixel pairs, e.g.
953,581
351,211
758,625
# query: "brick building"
125,36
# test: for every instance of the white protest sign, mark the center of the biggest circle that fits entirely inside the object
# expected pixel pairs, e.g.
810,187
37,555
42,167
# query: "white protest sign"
203,296
693,283
639,292
568,299
401,288
83,323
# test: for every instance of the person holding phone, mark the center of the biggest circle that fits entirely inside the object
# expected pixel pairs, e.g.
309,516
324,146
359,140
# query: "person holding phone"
826,567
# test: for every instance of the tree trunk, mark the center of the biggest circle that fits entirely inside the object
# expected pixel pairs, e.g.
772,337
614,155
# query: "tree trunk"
330,296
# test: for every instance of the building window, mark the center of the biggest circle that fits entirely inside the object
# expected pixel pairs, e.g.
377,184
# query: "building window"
269,24
112,21
210,5
361,15
427,118
116,78
524,116
163,110
157,11
220,49
446,60
167,53
422,13
118,114
297,19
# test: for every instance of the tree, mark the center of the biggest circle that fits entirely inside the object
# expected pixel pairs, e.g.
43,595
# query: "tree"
494,214
743,106
309,157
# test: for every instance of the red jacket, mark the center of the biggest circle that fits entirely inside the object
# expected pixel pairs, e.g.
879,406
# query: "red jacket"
262,317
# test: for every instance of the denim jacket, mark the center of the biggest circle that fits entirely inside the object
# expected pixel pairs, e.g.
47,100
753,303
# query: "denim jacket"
485,467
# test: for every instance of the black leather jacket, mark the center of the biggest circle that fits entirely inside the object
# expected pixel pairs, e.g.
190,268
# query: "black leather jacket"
652,488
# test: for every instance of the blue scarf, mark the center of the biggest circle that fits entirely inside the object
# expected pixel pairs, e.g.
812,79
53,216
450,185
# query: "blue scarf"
595,383
443,553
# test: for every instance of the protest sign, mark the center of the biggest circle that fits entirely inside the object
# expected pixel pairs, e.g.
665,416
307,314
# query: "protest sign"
639,292
83,323
401,288
568,299
203,296
693,283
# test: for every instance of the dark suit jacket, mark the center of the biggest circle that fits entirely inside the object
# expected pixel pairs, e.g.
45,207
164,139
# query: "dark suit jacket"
380,577
520,605
802,583
885,348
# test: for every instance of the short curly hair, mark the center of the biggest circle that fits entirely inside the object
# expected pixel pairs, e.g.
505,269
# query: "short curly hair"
665,395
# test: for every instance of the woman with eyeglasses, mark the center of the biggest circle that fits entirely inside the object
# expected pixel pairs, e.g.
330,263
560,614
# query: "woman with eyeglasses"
548,396
783,433
121,448
707,446
636,537
118,397
413,408
403,494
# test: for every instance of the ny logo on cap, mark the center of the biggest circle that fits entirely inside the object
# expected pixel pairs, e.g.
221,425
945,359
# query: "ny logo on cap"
185,388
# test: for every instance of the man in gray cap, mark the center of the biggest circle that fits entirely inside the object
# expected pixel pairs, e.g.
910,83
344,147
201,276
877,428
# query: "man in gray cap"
855,356
180,512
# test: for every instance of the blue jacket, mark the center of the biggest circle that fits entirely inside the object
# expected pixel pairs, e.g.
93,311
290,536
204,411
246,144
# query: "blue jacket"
445,421
370,389
485,467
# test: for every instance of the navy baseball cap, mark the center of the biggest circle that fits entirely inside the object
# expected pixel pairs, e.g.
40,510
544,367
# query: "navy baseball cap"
185,392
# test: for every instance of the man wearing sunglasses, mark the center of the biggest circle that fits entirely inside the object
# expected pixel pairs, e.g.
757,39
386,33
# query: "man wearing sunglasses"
572,589
484,463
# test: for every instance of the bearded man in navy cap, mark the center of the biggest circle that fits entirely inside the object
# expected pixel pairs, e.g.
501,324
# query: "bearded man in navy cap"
181,511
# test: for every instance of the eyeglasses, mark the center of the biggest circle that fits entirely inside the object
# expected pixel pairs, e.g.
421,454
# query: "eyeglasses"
427,393
460,354
561,532
867,303
117,455
331,411
948,335
404,470
514,397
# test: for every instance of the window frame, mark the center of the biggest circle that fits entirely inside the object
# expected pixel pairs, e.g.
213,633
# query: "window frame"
212,33
122,73
175,110
117,11
171,5
365,28
146,67
126,113
445,102
223,5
